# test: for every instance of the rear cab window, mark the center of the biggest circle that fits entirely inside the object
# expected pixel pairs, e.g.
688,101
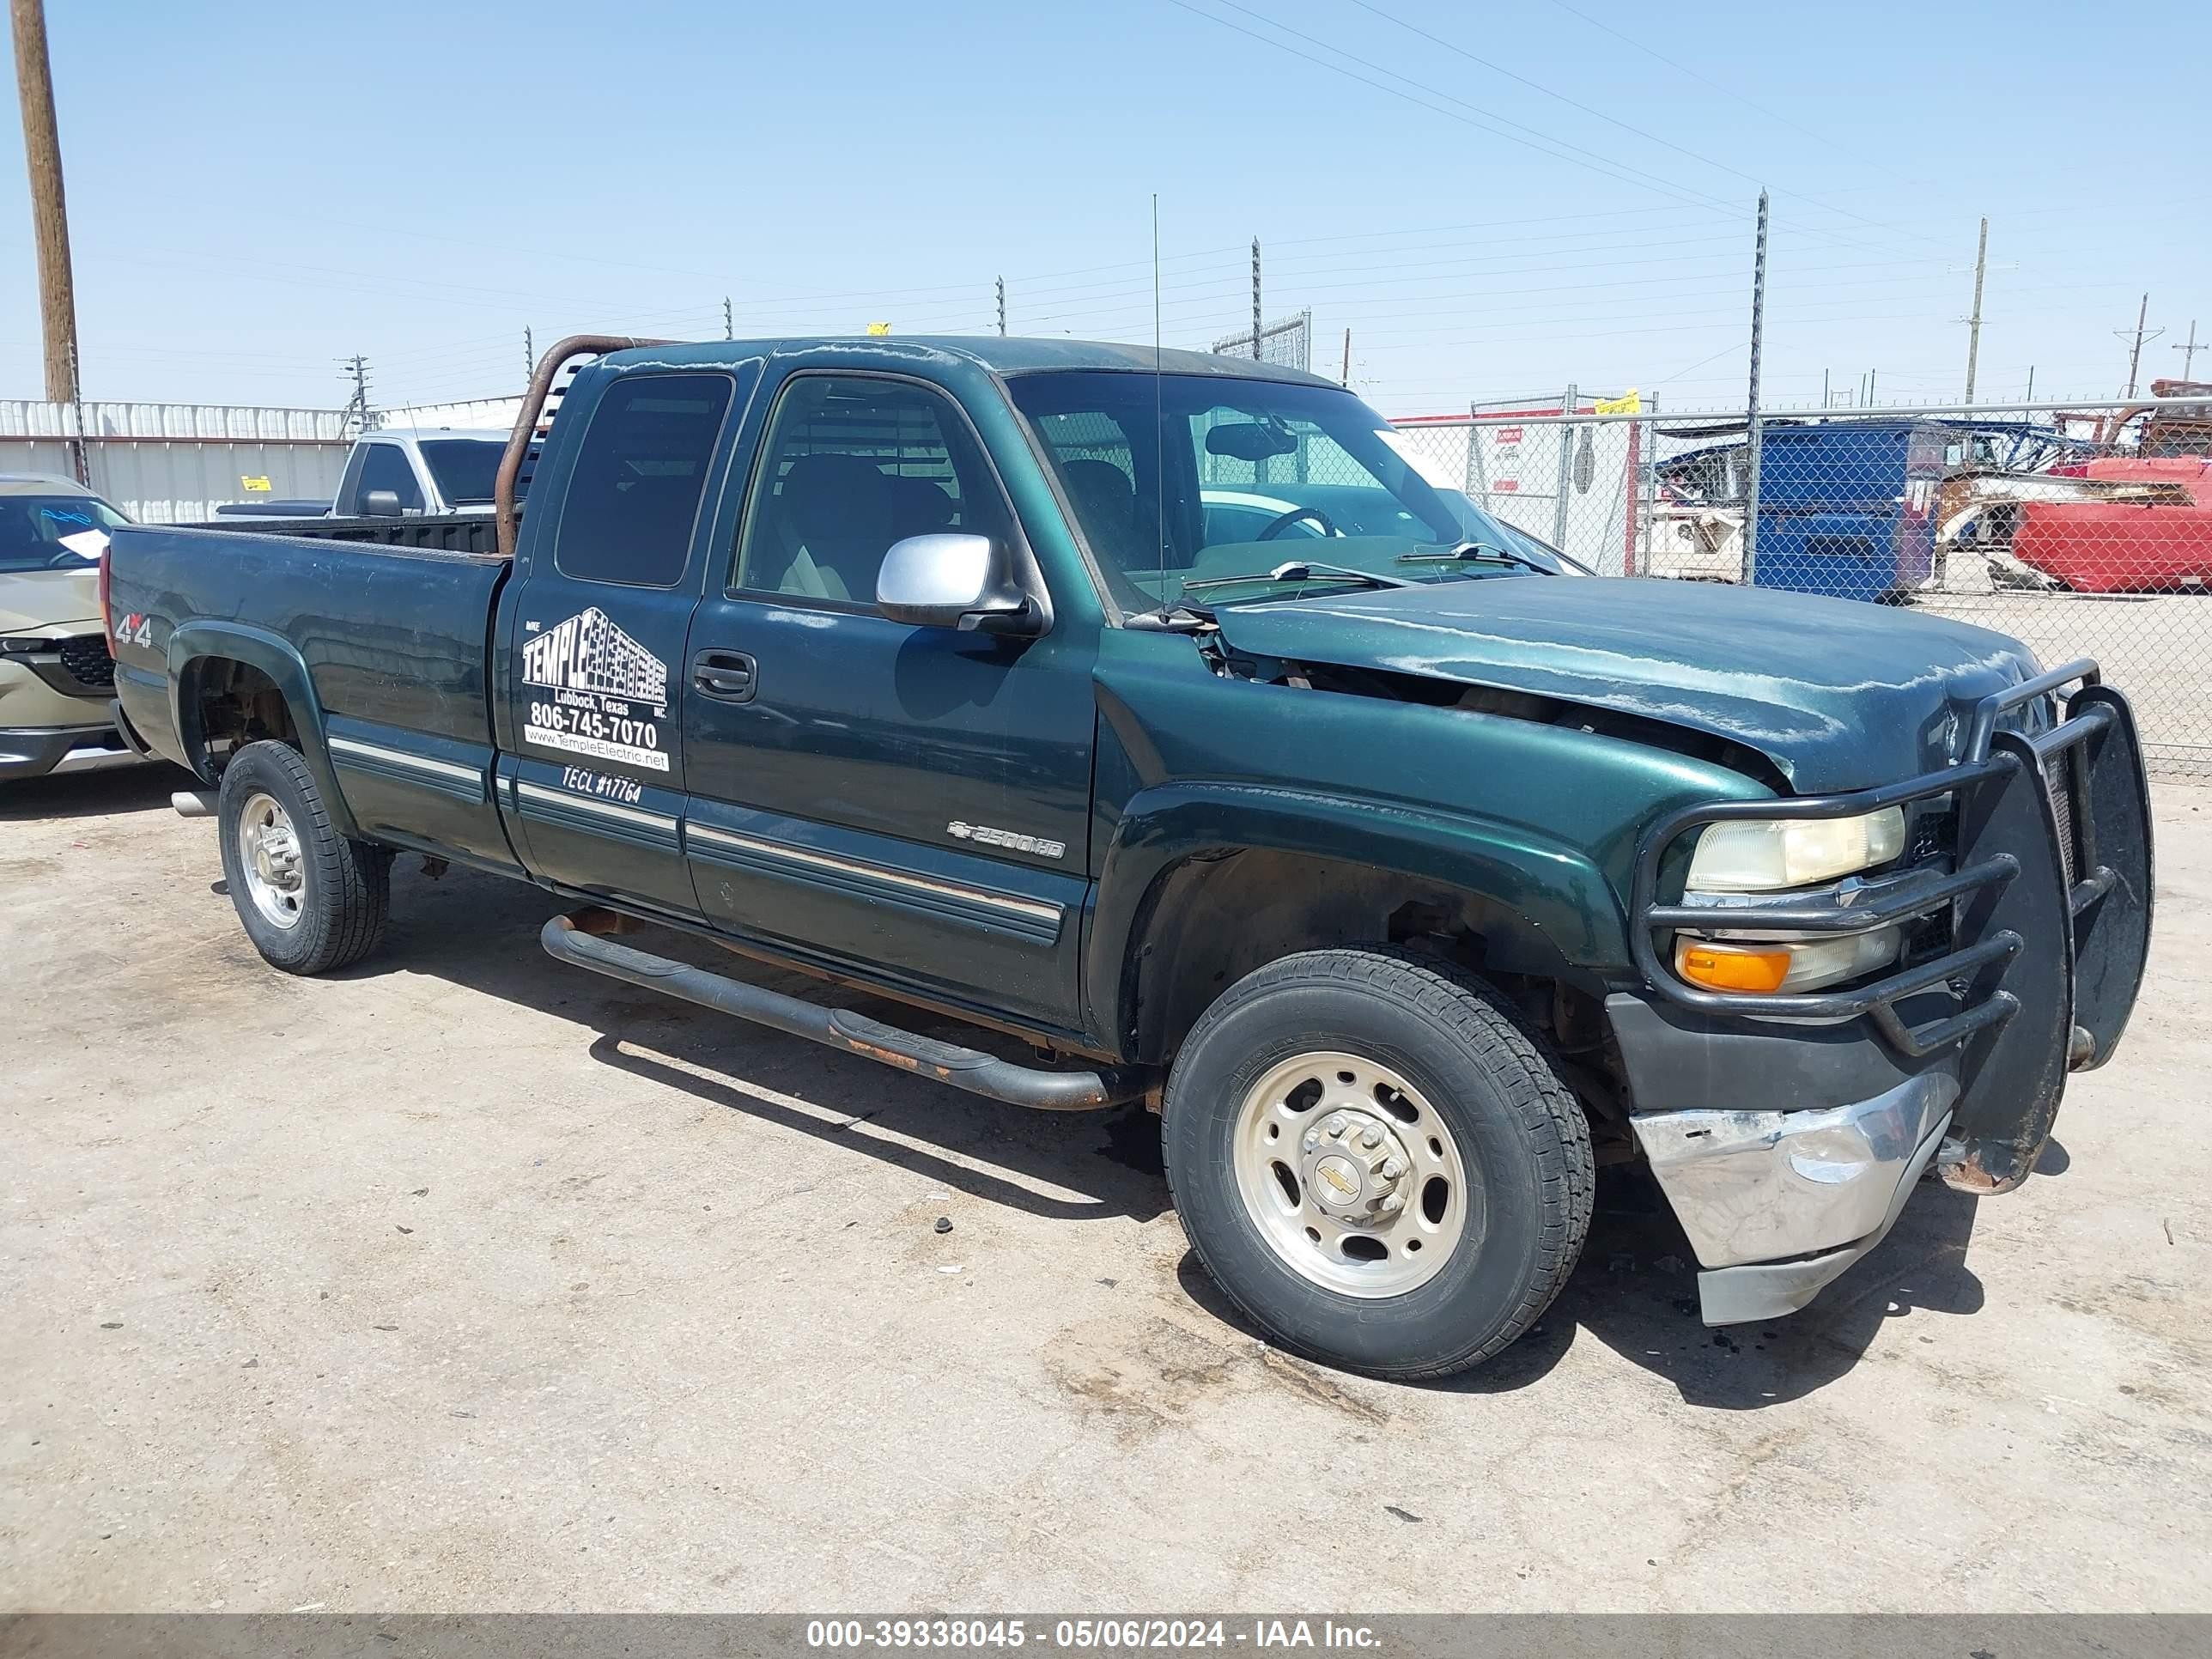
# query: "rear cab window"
464,469
640,473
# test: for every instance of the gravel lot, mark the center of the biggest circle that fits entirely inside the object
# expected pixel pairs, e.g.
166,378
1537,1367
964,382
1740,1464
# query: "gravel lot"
468,1281
2156,647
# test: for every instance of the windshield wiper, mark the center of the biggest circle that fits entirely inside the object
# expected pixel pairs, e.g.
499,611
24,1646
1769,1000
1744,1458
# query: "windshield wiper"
1476,553
1298,570
1173,619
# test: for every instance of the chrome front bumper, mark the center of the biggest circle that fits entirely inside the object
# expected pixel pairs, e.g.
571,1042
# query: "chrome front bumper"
1778,1204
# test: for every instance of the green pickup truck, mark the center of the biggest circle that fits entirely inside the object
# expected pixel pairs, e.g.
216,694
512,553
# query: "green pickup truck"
1149,707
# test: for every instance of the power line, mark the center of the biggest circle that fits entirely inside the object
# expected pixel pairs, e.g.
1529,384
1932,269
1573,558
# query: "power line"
1560,97
1726,92
1539,142
1640,133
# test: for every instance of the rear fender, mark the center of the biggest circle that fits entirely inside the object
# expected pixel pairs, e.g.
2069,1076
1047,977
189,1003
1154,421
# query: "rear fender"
194,647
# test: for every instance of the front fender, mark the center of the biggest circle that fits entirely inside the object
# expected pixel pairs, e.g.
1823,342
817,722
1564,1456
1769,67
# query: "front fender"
193,645
1560,895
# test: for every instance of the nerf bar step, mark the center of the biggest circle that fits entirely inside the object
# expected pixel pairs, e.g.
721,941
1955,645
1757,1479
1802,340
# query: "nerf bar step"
573,939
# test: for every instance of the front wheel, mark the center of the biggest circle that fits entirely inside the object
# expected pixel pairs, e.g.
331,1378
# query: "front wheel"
310,898
1376,1162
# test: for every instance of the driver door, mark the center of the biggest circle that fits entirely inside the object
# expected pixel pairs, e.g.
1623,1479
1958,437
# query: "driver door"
903,803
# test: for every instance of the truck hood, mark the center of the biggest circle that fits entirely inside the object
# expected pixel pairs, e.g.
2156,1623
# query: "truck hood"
31,601
1837,694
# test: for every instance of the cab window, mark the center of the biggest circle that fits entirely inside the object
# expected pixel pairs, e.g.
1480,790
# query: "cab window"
852,464
640,473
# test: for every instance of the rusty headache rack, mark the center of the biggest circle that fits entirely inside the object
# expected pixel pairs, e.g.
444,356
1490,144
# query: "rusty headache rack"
505,516
2047,893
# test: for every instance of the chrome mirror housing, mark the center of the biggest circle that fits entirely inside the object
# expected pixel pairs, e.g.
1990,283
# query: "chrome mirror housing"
951,579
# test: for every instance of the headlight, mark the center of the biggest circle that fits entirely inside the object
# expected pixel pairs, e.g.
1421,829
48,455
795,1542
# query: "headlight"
1759,856
1783,964
21,646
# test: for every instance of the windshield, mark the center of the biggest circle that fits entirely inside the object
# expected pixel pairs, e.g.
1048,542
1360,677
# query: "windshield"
465,468
1492,531
33,529
1255,475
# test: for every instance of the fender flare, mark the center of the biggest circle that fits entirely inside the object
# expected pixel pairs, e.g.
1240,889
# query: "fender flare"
1559,894
193,643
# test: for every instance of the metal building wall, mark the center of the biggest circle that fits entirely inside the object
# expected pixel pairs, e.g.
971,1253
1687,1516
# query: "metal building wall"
174,462
474,415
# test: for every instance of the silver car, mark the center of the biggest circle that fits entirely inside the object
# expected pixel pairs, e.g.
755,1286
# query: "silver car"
57,675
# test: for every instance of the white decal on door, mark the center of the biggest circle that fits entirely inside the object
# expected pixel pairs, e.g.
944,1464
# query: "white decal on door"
607,695
605,785
1007,838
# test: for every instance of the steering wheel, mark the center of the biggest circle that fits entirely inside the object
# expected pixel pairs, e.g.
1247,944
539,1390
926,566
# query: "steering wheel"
1276,526
70,559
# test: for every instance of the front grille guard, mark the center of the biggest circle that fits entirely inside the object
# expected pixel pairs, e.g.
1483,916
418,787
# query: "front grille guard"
1972,968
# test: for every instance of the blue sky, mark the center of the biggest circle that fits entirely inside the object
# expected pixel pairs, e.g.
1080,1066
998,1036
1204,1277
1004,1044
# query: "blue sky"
258,191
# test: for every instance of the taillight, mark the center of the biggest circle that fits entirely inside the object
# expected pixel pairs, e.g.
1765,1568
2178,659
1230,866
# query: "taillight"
107,613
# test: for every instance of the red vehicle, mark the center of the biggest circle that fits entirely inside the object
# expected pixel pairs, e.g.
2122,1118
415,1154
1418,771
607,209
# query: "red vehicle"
2149,528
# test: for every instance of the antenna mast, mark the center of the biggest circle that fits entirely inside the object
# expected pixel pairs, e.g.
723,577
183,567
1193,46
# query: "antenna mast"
1159,412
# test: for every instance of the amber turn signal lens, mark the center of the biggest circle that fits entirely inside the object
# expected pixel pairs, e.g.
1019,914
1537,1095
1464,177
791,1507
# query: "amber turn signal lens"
1731,967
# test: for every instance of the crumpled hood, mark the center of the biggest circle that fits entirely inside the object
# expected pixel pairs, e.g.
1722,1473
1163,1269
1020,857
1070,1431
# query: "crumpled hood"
31,601
1839,695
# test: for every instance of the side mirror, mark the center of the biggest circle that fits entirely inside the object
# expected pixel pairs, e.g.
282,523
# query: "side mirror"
380,504
955,580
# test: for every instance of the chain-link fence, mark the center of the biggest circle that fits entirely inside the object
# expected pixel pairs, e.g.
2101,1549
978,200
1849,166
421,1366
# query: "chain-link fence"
2084,531
1286,342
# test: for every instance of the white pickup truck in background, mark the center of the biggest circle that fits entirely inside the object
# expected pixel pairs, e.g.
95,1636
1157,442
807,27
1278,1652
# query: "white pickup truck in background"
402,472
434,471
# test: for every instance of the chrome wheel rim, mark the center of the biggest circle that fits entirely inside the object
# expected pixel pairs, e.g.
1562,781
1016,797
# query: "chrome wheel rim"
269,854
1350,1174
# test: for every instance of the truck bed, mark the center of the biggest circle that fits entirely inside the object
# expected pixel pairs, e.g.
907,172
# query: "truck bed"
390,634
457,532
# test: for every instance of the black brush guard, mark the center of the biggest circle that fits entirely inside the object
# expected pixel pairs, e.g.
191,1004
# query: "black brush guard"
2049,891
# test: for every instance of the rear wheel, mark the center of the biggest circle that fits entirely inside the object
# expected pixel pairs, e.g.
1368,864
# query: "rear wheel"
309,898
1376,1162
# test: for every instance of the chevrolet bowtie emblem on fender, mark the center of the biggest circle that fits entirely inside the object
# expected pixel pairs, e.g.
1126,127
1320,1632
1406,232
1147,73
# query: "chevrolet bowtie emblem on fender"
1007,838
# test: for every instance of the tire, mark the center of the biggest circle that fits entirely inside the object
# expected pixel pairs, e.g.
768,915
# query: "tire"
336,891
1514,1140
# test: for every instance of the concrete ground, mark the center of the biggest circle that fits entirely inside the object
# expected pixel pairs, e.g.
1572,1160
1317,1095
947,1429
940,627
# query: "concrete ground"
2155,646
468,1281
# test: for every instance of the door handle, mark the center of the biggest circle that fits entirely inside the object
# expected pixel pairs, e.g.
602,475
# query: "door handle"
725,675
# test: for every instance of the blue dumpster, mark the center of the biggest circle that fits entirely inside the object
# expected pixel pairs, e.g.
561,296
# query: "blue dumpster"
1847,508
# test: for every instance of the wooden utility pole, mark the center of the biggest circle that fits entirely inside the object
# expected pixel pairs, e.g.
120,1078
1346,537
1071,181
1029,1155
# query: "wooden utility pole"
1974,322
2134,352
1345,379
2189,352
42,153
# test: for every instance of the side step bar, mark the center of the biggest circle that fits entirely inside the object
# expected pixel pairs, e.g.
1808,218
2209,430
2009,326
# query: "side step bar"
574,940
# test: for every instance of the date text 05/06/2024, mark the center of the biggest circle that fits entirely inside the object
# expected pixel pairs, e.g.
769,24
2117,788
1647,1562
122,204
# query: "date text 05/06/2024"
1108,1635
